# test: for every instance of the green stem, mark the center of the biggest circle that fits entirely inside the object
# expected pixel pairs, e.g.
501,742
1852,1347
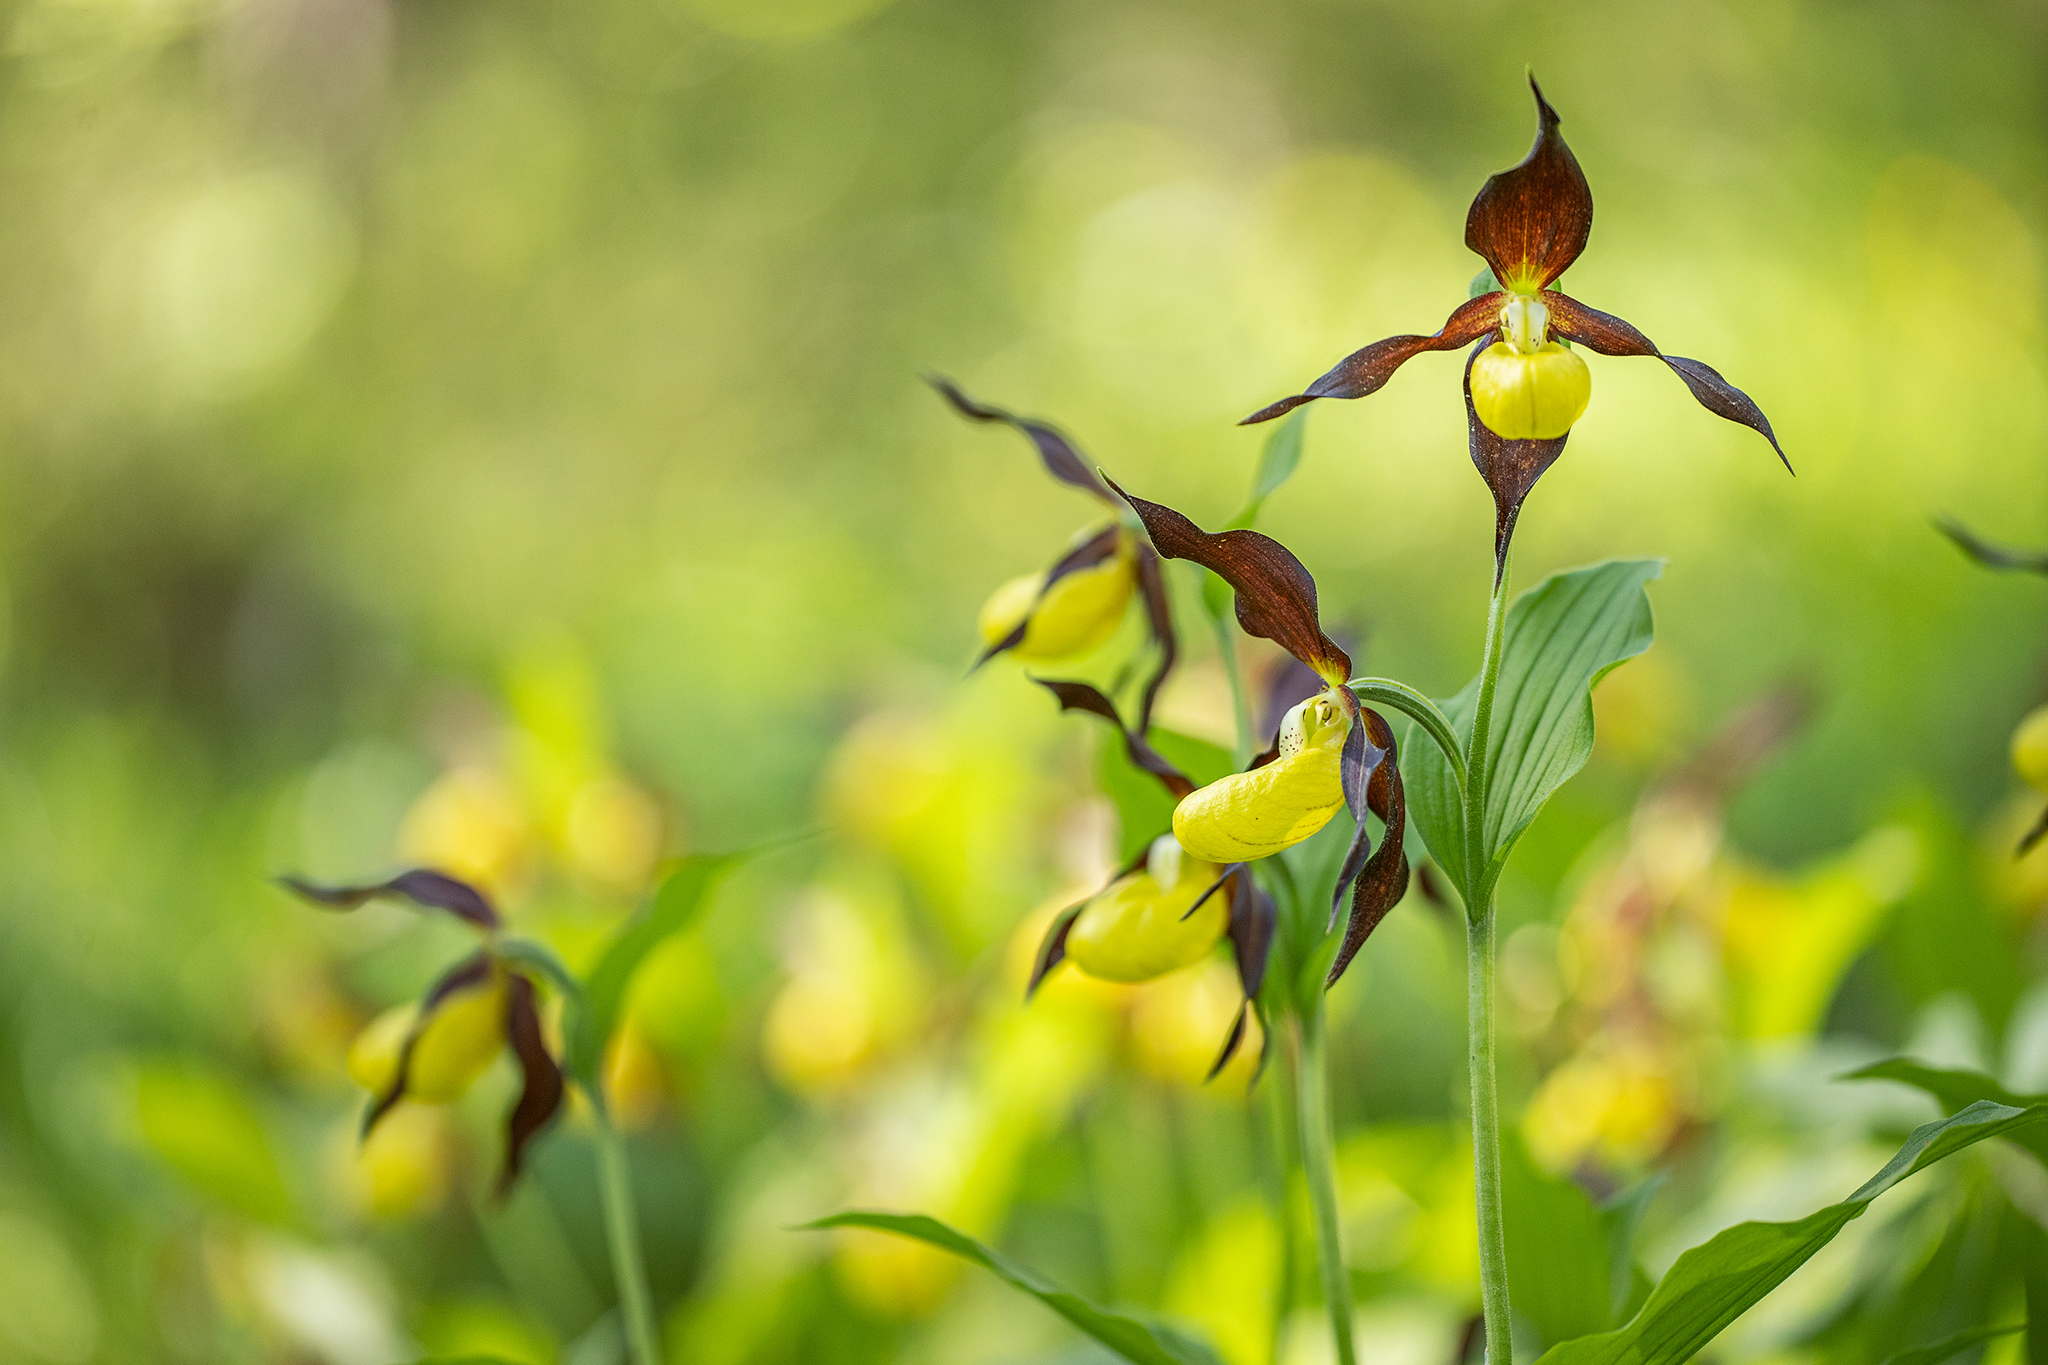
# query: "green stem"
1401,697
1276,1144
622,1232
1479,1021
1318,1142
1493,1246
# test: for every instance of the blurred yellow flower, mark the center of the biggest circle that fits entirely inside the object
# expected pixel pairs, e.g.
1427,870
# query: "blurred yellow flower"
1178,1024
469,823
402,1167
852,994
613,834
1620,1107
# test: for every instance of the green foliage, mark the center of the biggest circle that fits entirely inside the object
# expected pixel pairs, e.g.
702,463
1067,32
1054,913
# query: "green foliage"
1713,1284
1952,1346
206,1129
1142,1342
1571,1262
1563,636
1144,809
1955,1090
676,906
1278,459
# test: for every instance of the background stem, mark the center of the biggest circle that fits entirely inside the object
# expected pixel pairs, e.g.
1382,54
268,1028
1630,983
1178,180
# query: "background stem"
1493,1247
622,1233
1318,1140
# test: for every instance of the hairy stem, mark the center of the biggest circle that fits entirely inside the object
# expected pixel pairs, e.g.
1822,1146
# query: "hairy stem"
1479,954
1318,1141
1493,1246
622,1233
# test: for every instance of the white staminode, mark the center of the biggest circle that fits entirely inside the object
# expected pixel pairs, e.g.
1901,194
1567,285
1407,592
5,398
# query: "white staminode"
1163,861
1524,323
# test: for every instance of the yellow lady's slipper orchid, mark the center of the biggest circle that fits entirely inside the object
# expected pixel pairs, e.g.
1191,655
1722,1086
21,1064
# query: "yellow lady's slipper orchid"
1140,927
1529,224
1256,814
462,1037
1066,616
1526,387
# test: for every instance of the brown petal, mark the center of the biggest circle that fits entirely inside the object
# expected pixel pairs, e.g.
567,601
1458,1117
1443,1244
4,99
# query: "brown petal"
470,971
1052,949
1061,459
2033,836
1253,919
1356,764
1276,596
1610,335
1989,555
1365,371
1159,616
435,890
541,1095
1384,880
1532,221
1510,468
1232,1041
1080,696
1097,548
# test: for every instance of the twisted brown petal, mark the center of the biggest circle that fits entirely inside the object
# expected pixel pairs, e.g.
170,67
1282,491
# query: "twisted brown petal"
1384,879
1610,335
1510,468
1158,616
1532,221
1276,596
470,971
1365,371
541,1094
1232,1041
1253,919
421,886
1080,696
1090,552
1060,458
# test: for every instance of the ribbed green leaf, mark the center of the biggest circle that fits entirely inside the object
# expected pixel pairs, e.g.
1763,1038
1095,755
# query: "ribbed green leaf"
1954,1090
1715,1283
1563,636
1146,1343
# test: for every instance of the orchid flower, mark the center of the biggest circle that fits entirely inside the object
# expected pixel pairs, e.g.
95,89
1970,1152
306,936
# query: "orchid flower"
1523,389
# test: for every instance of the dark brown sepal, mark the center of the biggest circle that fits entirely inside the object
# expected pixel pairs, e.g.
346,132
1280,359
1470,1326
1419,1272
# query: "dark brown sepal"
1253,919
2033,836
1510,468
1093,551
1989,555
1080,696
1052,949
1060,458
1607,334
1231,1042
1276,596
1532,221
1384,879
471,971
540,1097
421,886
1159,617
1366,370
1357,763
1223,877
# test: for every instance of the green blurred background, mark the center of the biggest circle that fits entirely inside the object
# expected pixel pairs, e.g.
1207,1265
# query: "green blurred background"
492,434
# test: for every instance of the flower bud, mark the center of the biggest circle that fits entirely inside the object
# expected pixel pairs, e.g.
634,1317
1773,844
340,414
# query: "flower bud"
2030,749
1256,814
1140,927
1075,614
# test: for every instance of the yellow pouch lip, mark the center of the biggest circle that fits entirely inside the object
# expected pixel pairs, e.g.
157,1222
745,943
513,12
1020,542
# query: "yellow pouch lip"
1255,814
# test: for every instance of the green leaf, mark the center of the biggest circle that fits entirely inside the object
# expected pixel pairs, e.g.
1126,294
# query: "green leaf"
1144,809
1715,1283
677,903
1953,1346
1627,1285
1277,463
1559,1275
1563,636
1147,1343
205,1128
1954,1090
